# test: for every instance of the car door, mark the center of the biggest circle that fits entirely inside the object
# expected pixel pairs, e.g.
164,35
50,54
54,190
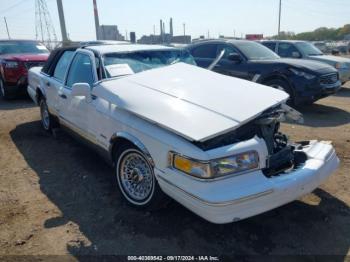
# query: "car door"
55,82
204,54
74,111
228,67
288,50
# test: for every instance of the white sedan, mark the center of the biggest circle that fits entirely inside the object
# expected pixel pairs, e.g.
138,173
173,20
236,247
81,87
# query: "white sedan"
209,141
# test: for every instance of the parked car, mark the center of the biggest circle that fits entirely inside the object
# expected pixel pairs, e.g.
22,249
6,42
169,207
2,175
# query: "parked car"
306,50
16,58
103,42
305,81
168,127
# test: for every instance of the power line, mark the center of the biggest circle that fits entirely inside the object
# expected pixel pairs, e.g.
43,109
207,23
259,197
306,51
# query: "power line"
13,6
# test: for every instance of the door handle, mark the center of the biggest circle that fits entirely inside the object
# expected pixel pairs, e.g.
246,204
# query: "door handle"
62,96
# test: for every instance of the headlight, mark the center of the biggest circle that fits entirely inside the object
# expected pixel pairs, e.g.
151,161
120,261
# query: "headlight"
11,64
215,168
341,66
236,164
302,73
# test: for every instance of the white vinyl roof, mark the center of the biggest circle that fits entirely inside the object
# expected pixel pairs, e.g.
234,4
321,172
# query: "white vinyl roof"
104,49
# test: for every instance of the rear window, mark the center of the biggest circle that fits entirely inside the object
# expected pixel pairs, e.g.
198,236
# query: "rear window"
22,47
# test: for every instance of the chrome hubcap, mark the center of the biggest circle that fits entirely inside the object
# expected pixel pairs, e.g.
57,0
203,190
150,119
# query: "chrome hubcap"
136,176
45,117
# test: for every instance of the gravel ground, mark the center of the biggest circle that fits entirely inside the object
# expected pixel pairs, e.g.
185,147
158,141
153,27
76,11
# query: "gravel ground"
59,198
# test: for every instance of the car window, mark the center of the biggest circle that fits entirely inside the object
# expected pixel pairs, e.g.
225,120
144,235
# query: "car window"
228,50
287,50
80,71
205,51
22,47
62,65
121,64
271,46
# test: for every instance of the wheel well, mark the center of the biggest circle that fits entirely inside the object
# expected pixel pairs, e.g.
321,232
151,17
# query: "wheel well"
39,95
275,77
116,143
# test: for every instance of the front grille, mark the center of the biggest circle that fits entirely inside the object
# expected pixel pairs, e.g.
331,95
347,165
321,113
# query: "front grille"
29,65
329,79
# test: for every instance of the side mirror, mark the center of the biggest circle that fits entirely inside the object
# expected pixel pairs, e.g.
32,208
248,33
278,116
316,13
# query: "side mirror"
296,54
81,89
234,57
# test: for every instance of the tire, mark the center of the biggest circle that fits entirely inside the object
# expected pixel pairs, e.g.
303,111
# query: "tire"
48,122
136,179
284,86
3,91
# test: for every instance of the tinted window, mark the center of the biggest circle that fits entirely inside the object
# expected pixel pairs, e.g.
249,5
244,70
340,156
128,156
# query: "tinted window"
22,47
255,51
80,71
62,65
271,46
287,50
205,51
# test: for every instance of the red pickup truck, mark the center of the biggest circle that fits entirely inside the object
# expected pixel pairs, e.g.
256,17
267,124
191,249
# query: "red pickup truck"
16,58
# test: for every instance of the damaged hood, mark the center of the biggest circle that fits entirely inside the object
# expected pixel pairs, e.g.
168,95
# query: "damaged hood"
192,102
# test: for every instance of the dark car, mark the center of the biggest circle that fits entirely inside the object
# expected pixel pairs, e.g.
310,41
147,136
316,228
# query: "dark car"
306,50
16,58
305,81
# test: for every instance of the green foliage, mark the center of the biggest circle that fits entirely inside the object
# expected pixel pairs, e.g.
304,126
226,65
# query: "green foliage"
320,34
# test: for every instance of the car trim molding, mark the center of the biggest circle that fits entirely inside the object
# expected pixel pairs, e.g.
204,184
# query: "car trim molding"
219,204
134,141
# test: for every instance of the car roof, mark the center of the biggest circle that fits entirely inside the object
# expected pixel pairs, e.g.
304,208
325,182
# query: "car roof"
282,41
232,41
103,49
103,42
19,40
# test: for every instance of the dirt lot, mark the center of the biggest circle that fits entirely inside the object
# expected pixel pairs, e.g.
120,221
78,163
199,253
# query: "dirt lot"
58,197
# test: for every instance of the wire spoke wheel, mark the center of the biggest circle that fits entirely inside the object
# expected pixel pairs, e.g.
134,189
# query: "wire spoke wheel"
135,176
45,116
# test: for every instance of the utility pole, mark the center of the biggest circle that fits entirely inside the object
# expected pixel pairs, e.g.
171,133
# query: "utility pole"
279,18
7,29
97,22
184,25
62,21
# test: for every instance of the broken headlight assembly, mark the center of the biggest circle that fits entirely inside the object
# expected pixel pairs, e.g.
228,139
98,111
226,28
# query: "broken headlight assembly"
234,164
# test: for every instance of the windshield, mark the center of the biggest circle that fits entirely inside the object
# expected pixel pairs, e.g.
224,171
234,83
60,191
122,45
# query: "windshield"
308,48
255,51
22,47
118,64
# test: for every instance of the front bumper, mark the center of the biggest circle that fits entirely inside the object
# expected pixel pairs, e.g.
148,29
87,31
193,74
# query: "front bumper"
315,91
17,87
236,198
344,75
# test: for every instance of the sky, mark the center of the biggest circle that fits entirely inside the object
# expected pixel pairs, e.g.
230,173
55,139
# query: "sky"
202,17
